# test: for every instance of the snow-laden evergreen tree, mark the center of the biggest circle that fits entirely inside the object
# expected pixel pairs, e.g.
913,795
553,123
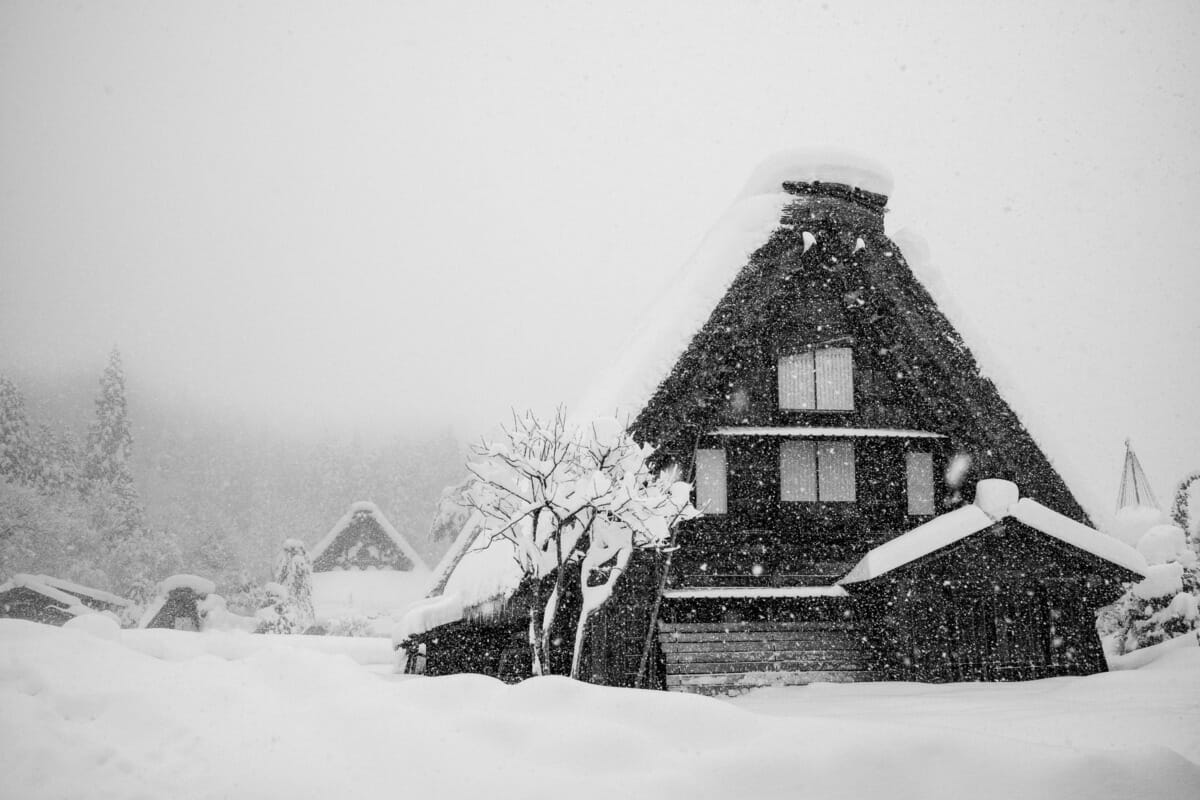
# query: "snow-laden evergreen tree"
137,561
16,439
1185,510
290,594
117,510
56,467
571,494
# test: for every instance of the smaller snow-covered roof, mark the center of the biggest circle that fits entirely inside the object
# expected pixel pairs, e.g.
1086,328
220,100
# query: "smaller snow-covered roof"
989,508
476,575
41,584
366,507
823,432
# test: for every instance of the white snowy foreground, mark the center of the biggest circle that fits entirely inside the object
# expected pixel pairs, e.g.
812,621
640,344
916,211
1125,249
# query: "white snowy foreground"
152,714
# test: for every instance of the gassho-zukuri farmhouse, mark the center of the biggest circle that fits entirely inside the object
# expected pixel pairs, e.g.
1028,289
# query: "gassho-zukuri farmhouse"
873,507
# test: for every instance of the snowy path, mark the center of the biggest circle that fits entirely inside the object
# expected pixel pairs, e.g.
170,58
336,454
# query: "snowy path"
82,716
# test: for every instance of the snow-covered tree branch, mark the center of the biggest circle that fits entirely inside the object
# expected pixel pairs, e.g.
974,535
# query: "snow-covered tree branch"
571,494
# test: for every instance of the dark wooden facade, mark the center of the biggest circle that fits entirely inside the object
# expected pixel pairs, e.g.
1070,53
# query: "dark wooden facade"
829,277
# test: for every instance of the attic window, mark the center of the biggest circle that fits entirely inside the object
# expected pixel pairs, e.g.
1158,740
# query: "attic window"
919,472
711,481
810,471
817,380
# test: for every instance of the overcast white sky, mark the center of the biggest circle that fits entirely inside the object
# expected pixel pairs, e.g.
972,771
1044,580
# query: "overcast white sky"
380,215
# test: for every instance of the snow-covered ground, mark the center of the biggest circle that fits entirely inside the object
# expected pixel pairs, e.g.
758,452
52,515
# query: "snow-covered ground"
100,713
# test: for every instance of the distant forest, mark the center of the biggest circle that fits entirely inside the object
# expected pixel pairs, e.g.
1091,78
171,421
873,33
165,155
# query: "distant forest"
208,496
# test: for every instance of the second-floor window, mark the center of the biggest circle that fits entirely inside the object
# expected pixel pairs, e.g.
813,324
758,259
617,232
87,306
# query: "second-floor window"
711,481
811,471
817,380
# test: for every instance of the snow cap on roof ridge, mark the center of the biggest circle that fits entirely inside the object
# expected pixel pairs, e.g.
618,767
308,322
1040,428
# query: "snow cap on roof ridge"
199,585
817,164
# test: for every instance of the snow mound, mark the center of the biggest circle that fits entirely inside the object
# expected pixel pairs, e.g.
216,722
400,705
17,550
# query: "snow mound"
84,717
995,497
100,625
201,586
347,593
1164,543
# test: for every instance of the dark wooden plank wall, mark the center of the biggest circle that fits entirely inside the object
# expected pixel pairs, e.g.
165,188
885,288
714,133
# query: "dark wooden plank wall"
734,656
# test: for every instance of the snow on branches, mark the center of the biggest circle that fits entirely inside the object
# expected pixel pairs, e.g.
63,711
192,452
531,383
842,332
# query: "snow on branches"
564,494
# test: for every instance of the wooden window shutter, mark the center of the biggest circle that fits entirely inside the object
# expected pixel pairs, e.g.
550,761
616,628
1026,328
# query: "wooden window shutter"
835,471
835,379
798,471
796,389
711,482
919,469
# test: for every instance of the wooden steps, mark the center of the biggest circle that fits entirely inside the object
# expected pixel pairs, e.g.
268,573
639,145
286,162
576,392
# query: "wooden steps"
727,657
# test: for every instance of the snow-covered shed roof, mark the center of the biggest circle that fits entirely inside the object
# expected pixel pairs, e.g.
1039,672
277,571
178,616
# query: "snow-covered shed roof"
476,575
62,591
366,507
995,500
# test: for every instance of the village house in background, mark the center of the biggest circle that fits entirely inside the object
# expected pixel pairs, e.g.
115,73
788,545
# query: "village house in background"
364,568
858,478
41,598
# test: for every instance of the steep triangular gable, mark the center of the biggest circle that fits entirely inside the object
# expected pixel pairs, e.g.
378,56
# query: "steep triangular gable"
364,537
827,261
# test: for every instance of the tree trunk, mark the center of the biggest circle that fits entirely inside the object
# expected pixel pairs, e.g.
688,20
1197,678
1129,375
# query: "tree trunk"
580,635
536,642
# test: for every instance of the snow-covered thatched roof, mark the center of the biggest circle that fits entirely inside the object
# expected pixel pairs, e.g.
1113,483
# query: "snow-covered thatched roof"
653,380
68,594
372,510
476,576
685,305
995,500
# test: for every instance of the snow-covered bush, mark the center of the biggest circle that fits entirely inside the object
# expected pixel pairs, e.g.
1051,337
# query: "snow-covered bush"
289,596
571,494
1163,605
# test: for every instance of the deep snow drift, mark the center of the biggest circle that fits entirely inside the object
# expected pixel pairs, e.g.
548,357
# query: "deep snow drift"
87,715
